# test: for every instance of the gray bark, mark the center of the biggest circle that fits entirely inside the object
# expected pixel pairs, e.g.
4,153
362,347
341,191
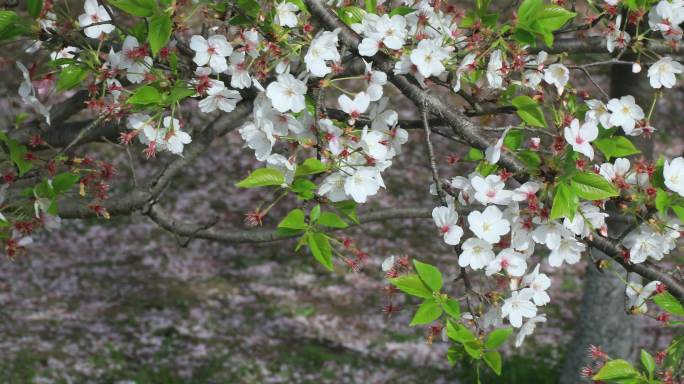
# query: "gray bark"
603,320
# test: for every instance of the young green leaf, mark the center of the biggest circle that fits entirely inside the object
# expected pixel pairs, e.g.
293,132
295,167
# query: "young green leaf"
669,303
529,111
662,201
497,337
412,285
145,95
616,370
140,8
71,76
294,220
591,186
452,308
64,182
34,7
619,146
315,213
331,220
459,333
159,32
262,177
565,202
321,249
648,362
493,360
310,166
428,312
430,275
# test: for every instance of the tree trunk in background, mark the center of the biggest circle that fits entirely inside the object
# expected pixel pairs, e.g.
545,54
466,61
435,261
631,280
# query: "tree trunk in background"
602,318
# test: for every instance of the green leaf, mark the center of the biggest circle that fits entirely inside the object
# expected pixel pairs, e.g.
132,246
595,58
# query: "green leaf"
648,362
145,95
497,337
430,275
459,333
350,15
17,153
262,177
348,208
528,9
371,5
514,139
669,303
493,360
12,25
71,76
34,7
178,93
315,213
658,178
452,308
402,10
320,248
591,186
249,7
141,8
331,220
565,202
303,188
159,32
64,182
474,154
294,220
619,146
310,166
662,201
679,211
553,17
529,111
240,20
474,349
530,158
412,285
428,312
675,352
616,370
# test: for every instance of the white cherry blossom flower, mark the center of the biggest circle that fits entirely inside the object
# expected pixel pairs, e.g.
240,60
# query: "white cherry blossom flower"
374,144
673,173
666,17
237,69
354,108
598,112
287,93
580,137
175,138
285,165
663,73
133,58
638,295
490,190
332,187
376,80
527,191
517,307
446,219
323,48
494,75
364,182
476,253
489,225
508,260
557,75
29,95
95,14
625,113
527,329
588,217
211,51
286,14
220,97
381,31
538,283
467,65
644,242
549,233
388,264
568,250
428,57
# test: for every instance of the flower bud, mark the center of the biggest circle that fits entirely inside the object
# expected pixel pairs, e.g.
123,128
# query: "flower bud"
636,68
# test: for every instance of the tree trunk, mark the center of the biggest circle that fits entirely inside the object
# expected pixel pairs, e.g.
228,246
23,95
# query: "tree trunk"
602,317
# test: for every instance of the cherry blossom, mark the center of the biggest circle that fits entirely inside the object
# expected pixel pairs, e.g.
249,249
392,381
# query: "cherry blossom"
638,295
286,14
354,108
527,329
95,14
476,253
673,173
598,112
494,75
212,51
220,97
538,283
489,225
663,73
287,93
580,137
568,250
323,48
557,75
490,190
446,219
364,182
625,113
428,57
517,307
